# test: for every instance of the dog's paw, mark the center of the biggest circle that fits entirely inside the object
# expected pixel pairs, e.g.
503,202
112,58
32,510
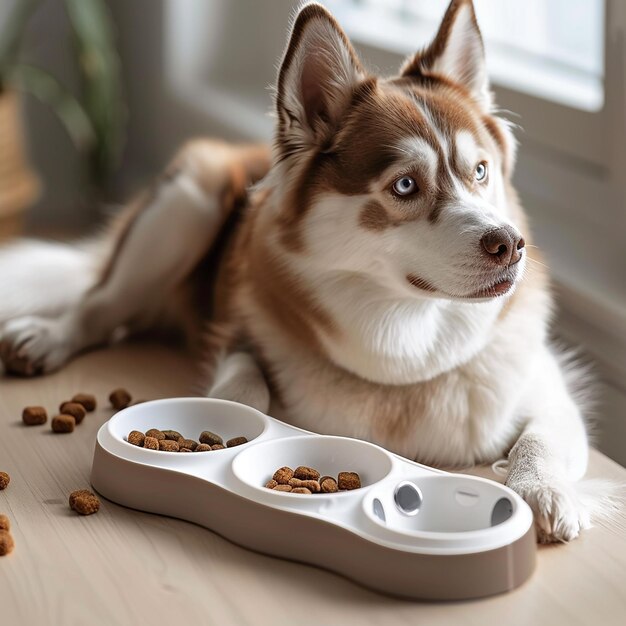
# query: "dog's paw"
559,514
33,345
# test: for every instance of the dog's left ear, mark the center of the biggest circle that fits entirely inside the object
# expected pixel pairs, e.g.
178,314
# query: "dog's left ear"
317,76
457,53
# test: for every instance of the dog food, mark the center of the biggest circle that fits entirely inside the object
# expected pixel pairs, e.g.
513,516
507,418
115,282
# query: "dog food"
4,522
63,424
84,502
6,543
76,410
210,438
87,400
5,479
348,480
136,438
235,441
306,480
34,416
120,399
173,441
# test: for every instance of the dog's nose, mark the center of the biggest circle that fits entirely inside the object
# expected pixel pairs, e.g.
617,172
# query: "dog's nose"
503,245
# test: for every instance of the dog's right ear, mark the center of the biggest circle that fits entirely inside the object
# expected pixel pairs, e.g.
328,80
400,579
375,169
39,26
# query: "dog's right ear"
317,76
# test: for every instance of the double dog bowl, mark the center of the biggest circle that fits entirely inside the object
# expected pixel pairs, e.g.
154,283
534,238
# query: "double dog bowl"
410,530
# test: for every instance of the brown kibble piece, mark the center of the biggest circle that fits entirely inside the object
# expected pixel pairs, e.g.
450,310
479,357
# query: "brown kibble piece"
187,443
156,433
172,435
348,480
34,416
218,446
203,447
5,479
328,484
76,410
312,485
5,524
87,400
152,443
6,543
166,445
236,441
136,438
283,475
63,424
185,450
306,473
212,439
286,488
84,502
270,484
119,399
301,490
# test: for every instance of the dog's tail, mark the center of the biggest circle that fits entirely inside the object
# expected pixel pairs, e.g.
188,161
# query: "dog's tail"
44,278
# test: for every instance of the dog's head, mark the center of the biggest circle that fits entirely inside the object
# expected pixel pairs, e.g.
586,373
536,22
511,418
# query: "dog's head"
406,177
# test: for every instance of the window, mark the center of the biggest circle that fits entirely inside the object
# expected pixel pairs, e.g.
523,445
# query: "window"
551,49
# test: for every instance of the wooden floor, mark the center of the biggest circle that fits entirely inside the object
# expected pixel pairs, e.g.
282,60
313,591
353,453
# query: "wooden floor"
125,567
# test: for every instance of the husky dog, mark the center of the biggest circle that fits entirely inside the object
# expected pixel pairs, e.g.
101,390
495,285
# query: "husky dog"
372,274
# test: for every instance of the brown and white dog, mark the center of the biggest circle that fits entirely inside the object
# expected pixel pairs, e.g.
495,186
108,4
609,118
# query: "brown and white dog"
377,282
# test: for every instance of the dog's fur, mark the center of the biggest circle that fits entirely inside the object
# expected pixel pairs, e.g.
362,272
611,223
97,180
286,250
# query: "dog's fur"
361,312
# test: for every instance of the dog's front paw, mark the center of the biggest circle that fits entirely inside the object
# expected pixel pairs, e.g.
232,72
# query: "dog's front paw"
33,345
559,515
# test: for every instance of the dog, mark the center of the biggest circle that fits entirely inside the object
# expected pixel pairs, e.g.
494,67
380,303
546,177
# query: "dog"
372,274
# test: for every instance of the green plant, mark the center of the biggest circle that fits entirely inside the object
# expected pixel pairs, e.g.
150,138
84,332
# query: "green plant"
94,118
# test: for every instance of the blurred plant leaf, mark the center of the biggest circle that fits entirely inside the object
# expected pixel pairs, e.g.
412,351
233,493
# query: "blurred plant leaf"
50,91
101,80
12,33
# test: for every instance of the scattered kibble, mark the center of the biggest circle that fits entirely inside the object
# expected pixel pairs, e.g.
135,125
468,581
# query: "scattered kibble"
348,480
5,479
75,409
306,480
6,543
63,424
120,399
236,441
136,438
211,438
34,416
5,524
84,502
87,400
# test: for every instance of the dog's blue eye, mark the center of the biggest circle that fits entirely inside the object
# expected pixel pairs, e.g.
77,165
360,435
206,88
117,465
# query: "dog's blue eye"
405,186
481,171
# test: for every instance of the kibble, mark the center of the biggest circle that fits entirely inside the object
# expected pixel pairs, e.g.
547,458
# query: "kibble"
211,438
203,447
6,543
5,524
306,473
87,400
303,490
328,484
347,481
84,502
151,443
76,410
172,435
156,433
283,475
120,399
311,485
187,443
5,479
218,446
236,441
185,450
271,484
167,445
34,416
136,438
286,488
63,424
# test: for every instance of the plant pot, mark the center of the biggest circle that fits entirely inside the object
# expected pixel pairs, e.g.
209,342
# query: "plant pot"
19,187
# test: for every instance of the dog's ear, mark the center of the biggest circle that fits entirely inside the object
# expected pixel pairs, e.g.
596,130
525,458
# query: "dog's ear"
317,76
457,53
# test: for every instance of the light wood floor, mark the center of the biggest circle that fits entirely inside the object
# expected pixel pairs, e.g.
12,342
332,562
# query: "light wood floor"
125,567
